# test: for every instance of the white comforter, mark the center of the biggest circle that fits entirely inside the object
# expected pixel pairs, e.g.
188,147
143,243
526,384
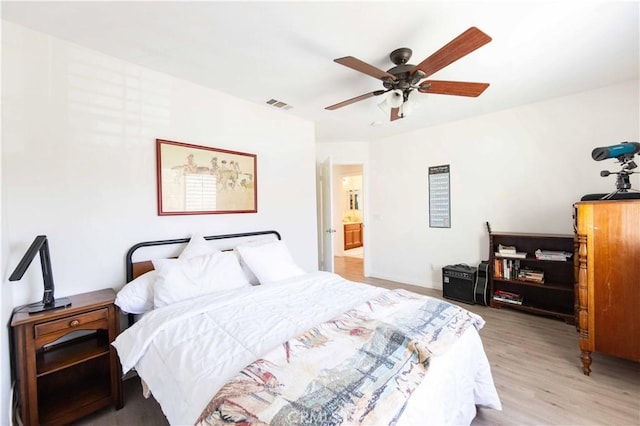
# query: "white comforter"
186,351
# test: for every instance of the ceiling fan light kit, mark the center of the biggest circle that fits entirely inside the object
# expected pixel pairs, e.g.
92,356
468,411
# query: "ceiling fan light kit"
403,81
411,104
395,98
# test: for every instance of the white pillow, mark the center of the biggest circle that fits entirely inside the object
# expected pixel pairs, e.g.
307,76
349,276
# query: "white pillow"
136,297
165,264
270,261
248,273
197,246
184,279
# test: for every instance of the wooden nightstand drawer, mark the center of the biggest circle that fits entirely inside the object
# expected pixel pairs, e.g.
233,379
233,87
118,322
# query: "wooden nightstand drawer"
68,324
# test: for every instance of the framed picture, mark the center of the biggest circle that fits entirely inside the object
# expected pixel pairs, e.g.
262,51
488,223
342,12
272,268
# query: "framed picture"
439,197
196,179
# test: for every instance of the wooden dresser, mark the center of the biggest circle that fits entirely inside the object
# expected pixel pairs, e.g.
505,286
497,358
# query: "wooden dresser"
608,254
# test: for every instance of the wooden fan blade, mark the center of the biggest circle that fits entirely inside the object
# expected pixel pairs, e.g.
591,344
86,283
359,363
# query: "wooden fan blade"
460,46
395,114
456,88
363,67
356,99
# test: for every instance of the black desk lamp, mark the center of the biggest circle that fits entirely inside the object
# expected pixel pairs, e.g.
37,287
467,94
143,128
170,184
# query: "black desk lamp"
40,245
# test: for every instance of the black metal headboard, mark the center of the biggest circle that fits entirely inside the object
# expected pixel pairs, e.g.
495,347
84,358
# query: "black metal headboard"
129,257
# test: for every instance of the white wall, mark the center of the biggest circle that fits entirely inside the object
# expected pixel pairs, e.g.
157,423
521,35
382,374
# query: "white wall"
345,152
6,306
78,164
520,169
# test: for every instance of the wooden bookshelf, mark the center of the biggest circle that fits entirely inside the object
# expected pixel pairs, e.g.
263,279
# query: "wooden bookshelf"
555,296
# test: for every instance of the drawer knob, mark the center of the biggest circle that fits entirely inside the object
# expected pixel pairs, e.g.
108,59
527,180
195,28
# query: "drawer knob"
73,323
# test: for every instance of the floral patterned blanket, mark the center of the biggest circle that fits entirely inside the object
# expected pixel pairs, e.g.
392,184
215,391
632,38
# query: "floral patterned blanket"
359,368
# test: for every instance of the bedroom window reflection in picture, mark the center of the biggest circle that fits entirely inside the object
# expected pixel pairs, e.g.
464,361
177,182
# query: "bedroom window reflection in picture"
203,180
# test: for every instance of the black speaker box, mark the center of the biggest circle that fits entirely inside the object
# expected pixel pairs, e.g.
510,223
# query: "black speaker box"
458,282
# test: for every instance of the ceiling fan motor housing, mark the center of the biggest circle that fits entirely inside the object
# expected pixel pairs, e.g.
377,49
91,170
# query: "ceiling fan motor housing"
404,79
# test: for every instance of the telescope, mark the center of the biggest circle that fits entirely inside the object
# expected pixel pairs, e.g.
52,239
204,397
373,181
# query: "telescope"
623,149
624,153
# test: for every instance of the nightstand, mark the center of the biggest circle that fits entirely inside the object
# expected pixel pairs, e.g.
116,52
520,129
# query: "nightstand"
64,363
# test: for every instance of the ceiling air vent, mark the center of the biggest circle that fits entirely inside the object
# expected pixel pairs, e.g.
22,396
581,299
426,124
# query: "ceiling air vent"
279,104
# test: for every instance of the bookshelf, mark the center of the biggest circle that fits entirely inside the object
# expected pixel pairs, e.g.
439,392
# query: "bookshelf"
555,295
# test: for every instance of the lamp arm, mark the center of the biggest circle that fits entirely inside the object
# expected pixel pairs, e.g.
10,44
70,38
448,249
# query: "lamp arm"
39,246
47,275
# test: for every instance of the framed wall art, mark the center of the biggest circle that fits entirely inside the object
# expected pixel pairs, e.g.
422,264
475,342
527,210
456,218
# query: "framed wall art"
439,197
196,179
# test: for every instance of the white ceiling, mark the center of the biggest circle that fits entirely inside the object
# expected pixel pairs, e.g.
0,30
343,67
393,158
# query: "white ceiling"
284,50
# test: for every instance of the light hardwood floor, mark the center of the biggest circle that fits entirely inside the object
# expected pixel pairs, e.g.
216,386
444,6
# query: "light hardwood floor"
535,364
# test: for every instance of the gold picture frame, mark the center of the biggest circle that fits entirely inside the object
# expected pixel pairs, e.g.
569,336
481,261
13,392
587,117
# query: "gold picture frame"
195,179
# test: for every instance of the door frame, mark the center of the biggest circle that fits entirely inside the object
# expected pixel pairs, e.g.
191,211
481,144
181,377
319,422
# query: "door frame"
325,227
365,206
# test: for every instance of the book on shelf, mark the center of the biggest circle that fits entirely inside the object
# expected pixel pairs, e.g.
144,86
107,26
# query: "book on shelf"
514,255
507,297
552,255
509,251
506,249
506,268
513,302
531,275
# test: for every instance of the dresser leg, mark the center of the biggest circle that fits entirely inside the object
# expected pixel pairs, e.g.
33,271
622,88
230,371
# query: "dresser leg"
585,356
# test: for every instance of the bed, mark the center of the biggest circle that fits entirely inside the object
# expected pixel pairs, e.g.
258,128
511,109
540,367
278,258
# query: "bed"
238,333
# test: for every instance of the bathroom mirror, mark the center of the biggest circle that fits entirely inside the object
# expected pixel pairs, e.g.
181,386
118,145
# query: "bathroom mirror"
353,195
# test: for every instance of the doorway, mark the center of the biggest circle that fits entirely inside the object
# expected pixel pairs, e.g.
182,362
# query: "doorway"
348,216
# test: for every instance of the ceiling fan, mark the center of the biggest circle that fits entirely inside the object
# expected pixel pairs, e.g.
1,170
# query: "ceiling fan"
403,81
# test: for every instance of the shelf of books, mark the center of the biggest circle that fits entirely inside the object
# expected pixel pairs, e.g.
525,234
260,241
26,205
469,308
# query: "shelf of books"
534,273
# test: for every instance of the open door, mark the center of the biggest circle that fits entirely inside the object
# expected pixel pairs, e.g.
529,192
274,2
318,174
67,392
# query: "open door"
326,215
